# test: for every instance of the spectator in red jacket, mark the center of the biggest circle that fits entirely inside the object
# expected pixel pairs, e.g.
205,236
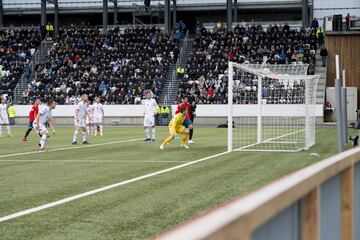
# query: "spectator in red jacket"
347,22
231,56
210,93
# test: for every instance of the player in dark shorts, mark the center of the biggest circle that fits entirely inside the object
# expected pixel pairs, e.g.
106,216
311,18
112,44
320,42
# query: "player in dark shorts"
32,116
192,117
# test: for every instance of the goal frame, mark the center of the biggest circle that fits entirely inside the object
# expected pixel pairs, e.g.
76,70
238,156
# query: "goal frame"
309,126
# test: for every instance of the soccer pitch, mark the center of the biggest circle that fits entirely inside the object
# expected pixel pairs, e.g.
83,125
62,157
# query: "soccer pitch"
155,189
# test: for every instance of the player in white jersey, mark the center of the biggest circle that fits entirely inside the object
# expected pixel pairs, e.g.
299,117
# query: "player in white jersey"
98,116
90,120
4,118
80,119
149,116
42,120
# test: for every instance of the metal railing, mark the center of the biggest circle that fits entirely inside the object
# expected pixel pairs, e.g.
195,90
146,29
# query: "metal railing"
320,202
174,74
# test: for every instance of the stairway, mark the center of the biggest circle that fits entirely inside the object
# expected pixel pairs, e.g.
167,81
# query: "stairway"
28,75
171,86
171,79
320,70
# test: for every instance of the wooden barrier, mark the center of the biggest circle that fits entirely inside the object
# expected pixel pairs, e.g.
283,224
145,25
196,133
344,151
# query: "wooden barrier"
321,202
347,46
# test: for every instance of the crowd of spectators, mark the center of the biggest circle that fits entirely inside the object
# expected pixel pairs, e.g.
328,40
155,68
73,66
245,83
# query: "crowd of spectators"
205,78
124,64
119,66
16,49
274,91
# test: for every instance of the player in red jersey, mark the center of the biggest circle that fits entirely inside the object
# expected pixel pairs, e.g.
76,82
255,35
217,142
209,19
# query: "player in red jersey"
187,122
32,116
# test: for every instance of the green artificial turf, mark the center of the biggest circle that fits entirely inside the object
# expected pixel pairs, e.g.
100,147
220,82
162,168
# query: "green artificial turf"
138,210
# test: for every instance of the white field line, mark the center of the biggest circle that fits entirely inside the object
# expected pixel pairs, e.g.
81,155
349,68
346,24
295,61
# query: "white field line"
102,189
89,161
70,148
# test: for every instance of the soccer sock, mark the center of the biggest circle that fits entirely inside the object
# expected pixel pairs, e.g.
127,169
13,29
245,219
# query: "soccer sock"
27,132
84,136
184,138
147,132
0,130
91,130
43,140
75,135
153,133
191,133
8,130
101,129
167,140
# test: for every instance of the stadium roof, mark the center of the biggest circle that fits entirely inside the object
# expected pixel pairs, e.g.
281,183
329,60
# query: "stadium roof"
71,6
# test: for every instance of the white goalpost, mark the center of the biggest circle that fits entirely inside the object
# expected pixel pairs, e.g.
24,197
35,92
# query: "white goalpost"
271,107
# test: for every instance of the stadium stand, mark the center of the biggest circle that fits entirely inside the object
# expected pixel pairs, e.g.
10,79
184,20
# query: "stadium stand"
16,49
119,66
205,77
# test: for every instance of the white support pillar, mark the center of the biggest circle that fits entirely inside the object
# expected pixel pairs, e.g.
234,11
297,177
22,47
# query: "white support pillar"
259,117
230,104
338,110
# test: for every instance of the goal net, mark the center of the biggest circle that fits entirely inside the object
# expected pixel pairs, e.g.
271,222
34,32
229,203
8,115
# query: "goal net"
272,107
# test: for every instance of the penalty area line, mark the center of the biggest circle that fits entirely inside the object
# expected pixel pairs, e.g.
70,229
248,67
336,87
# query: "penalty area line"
102,189
70,148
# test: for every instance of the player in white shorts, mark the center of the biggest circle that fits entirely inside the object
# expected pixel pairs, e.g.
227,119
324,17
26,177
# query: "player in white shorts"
149,117
98,116
4,118
42,120
80,119
90,120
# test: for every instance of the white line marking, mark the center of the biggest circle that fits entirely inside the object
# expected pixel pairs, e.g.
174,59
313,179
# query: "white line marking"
89,161
70,148
115,185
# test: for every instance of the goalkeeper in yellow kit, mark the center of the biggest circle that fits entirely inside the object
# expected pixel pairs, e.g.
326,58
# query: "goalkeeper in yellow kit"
176,128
